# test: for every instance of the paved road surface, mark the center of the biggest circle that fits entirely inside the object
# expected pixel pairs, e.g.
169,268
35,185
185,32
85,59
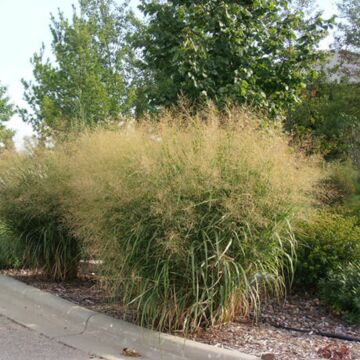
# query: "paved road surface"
20,343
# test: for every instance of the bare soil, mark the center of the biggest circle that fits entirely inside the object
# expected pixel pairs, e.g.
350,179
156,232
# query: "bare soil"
269,335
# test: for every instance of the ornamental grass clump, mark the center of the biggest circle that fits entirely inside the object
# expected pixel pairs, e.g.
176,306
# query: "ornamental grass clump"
191,215
10,252
32,188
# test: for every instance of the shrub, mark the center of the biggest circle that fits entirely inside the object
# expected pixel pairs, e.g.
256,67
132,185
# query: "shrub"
341,184
191,216
326,241
352,208
341,290
330,118
10,253
31,190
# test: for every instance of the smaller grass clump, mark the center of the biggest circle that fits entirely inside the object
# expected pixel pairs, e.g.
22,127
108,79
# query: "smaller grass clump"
32,187
10,252
191,215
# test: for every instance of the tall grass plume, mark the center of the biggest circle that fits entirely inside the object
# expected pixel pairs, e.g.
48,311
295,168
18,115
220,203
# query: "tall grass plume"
191,214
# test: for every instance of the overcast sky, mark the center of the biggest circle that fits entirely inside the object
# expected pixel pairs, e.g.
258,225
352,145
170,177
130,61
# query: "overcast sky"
24,25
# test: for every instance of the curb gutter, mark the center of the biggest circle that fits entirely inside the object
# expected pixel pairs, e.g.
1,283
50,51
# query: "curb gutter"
96,333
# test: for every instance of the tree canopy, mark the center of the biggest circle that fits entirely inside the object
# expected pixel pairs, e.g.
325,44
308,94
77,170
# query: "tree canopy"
85,82
6,111
348,37
350,12
253,52
330,114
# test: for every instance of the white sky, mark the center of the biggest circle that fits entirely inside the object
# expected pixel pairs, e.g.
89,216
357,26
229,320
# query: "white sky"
24,26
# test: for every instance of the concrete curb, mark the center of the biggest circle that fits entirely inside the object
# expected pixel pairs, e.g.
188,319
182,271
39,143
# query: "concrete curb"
96,333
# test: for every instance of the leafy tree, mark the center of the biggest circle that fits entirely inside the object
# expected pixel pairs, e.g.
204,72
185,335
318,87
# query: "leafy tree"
348,39
243,52
350,12
6,111
330,114
303,4
86,82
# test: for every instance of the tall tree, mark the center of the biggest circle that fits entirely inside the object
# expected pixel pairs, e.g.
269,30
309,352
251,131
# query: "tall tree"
249,52
303,4
6,111
330,115
350,12
86,82
348,39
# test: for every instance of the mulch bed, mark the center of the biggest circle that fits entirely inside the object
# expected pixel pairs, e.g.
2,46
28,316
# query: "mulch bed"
305,313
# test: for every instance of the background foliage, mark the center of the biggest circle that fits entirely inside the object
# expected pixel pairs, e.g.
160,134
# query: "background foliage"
341,290
258,53
326,241
328,120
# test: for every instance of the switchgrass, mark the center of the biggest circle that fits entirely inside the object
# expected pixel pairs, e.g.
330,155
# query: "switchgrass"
10,251
191,215
31,190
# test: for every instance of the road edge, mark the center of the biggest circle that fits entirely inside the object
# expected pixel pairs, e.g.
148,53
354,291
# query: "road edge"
96,333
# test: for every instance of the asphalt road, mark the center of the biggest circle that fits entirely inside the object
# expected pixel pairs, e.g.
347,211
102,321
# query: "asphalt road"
20,343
